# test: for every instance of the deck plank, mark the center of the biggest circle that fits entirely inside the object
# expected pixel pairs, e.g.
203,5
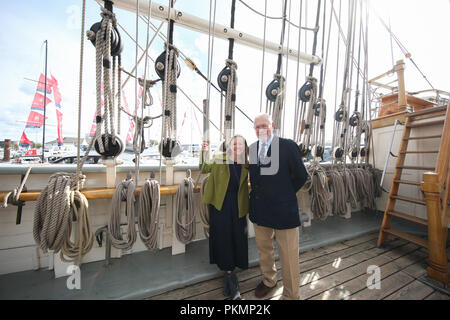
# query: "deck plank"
416,290
212,289
338,270
437,295
389,285
346,289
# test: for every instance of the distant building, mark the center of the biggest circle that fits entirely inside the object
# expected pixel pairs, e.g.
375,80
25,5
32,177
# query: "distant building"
66,141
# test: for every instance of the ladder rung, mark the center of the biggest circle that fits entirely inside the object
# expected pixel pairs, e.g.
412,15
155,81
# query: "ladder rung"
425,124
416,168
407,199
408,217
408,182
408,237
405,152
424,137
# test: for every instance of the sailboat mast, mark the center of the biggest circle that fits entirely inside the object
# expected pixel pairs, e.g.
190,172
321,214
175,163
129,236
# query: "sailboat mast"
45,101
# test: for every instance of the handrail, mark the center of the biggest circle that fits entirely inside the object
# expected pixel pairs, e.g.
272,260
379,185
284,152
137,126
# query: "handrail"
444,149
98,193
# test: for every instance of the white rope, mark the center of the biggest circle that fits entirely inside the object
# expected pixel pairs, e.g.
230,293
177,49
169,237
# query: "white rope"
277,109
125,191
317,186
103,53
185,209
53,220
339,192
13,196
148,213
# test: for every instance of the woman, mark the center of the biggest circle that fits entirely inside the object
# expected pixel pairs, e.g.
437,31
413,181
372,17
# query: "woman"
226,193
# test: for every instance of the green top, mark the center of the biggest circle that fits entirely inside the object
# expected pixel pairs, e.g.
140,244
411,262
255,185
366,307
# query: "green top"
217,185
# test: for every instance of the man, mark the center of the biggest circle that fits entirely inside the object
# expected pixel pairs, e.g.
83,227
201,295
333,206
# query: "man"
277,172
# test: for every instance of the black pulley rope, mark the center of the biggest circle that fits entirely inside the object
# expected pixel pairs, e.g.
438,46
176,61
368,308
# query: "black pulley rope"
311,66
280,55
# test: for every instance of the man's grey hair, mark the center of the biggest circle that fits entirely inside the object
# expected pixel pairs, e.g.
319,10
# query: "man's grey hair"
268,117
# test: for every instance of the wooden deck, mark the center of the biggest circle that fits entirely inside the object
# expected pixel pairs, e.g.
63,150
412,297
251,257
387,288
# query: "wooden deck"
339,271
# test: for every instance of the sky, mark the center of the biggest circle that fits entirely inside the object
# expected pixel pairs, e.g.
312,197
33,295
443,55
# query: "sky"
422,27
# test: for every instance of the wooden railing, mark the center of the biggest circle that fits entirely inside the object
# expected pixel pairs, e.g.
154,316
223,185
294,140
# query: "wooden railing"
436,188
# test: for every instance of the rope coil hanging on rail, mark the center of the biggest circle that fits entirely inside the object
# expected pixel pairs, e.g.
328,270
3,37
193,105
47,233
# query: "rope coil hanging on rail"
53,218
185,210
125,191
148,213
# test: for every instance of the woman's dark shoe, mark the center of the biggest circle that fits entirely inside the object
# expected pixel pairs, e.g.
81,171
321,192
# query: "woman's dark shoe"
234,287
226,285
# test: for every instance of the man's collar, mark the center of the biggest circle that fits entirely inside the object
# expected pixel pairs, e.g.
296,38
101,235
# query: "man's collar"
269,141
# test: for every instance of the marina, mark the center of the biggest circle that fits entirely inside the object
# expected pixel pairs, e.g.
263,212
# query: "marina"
118,205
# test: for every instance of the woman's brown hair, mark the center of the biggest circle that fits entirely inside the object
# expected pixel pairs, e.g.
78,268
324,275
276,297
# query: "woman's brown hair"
246,152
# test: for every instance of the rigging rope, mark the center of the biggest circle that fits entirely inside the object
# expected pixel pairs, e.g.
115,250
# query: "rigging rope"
275,91
169,71
227,80
108,47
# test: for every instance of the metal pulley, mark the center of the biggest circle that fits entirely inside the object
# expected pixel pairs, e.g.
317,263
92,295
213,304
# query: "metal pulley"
340,115
160,64
305,92
170,148
113,149
318,107
363,152
272,90
318,151
304,151
116,40
353,154
223,77
338,153
354,120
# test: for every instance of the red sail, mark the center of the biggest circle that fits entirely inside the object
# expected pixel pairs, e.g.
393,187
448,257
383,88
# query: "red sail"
59,114
24,141
38,102
59,117
35,120
41,85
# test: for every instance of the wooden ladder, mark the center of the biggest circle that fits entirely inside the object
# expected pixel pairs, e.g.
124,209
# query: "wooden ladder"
435,186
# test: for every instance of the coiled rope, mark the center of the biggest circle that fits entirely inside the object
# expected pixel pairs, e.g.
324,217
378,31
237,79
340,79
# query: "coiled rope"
350,186
125,191
317,186
148,213
53,220
185,208
339,192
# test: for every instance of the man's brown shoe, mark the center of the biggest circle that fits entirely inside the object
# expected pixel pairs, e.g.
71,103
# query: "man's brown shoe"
262,290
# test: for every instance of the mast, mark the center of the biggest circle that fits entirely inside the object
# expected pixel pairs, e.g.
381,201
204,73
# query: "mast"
45,102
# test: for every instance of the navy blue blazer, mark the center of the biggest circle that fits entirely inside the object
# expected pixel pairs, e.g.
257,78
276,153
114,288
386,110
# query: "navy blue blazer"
273,201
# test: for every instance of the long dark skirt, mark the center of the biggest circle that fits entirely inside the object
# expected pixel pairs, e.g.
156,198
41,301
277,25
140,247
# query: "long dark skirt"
228,235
